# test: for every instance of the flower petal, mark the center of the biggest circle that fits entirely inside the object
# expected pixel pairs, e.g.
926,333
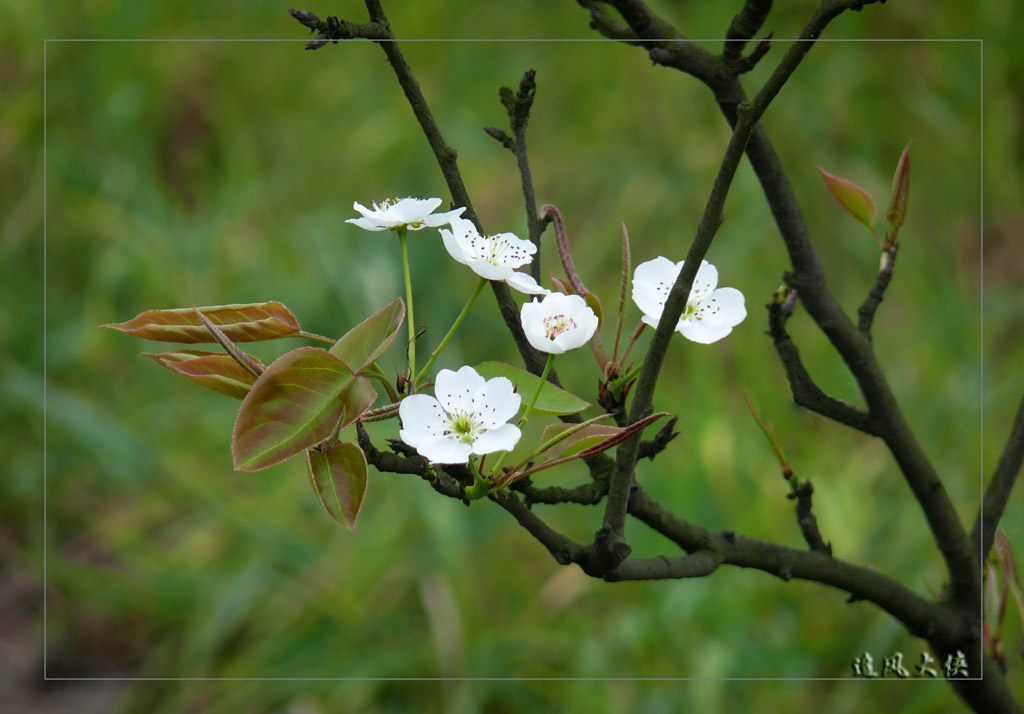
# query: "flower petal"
704,282
445,450
488,270
454,247
455,390
442,219
511,250
533,325
423,419
525,283
369,224
701,331
411,210
726,306
504,438
496,402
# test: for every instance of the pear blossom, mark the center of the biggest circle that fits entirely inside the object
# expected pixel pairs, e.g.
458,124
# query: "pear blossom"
494,258
709,314
558,323
467,415
413,213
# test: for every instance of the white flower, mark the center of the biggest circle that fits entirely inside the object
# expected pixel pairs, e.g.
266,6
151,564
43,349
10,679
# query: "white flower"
494,258
467,417
709,315
558,323
414,213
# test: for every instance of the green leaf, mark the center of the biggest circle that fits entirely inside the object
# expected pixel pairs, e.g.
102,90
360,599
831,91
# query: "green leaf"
900,189
295,404
552,400
364,343
338,478
213,370
576,442
852,197
240,323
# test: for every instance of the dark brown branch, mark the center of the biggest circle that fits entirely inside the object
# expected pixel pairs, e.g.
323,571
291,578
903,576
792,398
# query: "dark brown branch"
748,116
999,486
563,549
866,312
809,280
602,21
806,520
694,565
744,25
585,494
922,617
803,388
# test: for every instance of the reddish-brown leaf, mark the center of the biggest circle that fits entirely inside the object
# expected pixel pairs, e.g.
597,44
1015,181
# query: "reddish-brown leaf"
338,478
240,323
295,404
213,370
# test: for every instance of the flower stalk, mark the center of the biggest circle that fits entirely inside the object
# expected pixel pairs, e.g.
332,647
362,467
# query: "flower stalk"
451,332
401,230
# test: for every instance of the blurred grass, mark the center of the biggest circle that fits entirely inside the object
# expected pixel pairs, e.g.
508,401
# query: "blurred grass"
205,173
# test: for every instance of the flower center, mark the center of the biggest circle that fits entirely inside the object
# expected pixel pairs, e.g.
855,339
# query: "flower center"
555,325
463,427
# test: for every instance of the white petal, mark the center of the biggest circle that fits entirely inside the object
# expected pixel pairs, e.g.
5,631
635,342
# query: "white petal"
650,307
488,270
533,326
526,284
441,219
496,402
703,332
514,251
586,324
652,321
560,303
504,438
369,224
445,450
659,270
454,247
705,281
455,390
423,419
411,210
652,282
368,213
725,307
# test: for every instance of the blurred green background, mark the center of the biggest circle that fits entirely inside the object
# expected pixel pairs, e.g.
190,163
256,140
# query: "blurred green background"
181,173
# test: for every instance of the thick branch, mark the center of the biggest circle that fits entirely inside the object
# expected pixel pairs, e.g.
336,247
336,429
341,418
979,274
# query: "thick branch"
997,491
922,618
809,280
748,116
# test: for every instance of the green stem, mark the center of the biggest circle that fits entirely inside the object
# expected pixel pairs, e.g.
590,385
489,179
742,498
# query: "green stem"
451,332
536,394
408,305
529,408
